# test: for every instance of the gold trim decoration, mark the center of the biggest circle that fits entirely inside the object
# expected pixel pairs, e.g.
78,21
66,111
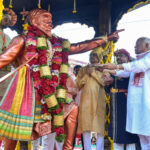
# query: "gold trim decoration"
51,101
10,4
45,71
58,120
74,7
61,93
39,4
136,5
64,68
41,42
114,90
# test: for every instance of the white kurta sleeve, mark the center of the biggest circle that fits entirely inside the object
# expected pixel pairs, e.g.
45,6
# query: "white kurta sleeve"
140,65
123,74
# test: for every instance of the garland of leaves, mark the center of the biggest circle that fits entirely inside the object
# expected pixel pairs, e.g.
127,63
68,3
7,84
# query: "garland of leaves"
49,76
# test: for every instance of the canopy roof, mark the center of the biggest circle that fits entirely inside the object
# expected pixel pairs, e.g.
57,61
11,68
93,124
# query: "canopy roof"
87,10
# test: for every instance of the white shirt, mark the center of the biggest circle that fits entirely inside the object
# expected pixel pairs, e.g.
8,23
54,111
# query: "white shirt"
138,101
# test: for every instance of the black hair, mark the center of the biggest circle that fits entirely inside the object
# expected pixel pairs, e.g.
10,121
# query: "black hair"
76,67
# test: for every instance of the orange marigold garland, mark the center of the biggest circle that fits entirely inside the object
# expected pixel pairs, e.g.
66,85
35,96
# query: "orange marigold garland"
49,71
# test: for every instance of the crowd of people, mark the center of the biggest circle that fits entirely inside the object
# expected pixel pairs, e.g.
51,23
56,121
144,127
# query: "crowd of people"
28,104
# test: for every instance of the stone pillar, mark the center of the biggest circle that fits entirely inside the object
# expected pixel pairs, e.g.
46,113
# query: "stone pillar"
104,17
105,28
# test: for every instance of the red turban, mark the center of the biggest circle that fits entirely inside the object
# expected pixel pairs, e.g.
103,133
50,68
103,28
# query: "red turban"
123,51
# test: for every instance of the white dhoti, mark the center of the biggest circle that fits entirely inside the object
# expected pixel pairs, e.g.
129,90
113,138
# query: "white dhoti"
121,146
36,144
87,141
49,142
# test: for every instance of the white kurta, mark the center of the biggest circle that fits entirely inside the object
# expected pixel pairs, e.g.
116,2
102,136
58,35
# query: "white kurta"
138,101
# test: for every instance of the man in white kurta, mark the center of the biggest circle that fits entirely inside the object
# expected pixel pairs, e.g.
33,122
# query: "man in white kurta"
138,101
138,105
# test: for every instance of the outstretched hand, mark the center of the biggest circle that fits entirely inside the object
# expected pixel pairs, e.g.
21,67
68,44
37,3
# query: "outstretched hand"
107,78
114,35
106,71
110,66
106,66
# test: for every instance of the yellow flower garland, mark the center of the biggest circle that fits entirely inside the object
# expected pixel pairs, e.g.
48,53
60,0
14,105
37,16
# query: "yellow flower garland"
10,4
74,9
1,9
25,26
39,4
107,97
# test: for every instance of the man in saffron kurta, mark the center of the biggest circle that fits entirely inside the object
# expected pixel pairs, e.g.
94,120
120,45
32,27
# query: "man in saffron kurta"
138,101
18,105
92,102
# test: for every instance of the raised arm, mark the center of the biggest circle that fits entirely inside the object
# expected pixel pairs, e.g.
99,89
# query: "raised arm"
91,44
12,51
85,46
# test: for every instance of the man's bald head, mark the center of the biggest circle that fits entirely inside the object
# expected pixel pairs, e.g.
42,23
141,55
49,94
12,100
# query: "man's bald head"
142,45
